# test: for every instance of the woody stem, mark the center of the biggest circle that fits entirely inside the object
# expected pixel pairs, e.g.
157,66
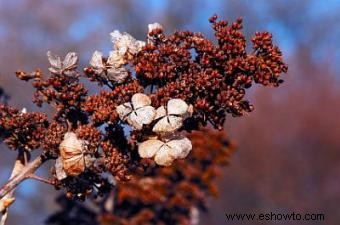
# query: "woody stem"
25,173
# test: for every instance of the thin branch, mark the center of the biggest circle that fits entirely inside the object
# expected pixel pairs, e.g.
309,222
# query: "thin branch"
26,171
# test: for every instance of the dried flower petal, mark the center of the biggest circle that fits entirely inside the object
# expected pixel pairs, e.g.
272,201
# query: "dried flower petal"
71,151
171,118
139,100
163,157
168,124
124,110
125,43
149,148
96,62
165,153
141,116
60,172
67,66
177,107
180,148
154,26
139,112
70,61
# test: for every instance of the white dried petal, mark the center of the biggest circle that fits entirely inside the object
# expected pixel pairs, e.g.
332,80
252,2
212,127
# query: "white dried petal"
180,148
163,156
149,148
154,26
117,74
168,124
23,111
60,173
125,43
138,45
160,112
124,110
141,116
70,61
177,107
96,62
139,100
115,59
54,60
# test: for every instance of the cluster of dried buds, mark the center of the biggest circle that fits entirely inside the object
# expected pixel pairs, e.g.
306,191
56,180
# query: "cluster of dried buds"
157,91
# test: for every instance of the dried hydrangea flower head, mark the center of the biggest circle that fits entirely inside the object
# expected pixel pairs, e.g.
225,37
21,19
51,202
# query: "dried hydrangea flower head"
72,154
67,66
137,112
164,153
182,75
112,70
170,118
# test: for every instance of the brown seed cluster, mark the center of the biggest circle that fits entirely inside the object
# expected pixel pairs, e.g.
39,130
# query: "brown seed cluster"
22,130
212,77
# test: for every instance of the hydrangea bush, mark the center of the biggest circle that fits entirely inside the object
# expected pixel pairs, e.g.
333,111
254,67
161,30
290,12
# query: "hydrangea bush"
150,96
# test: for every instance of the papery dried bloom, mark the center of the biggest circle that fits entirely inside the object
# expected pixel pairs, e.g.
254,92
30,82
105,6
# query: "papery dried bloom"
154,26
72,154
190,80
138,112
113,69
171,118
125,44
67,66
165,152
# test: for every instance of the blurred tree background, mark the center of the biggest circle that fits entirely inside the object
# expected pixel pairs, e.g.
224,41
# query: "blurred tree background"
288,157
